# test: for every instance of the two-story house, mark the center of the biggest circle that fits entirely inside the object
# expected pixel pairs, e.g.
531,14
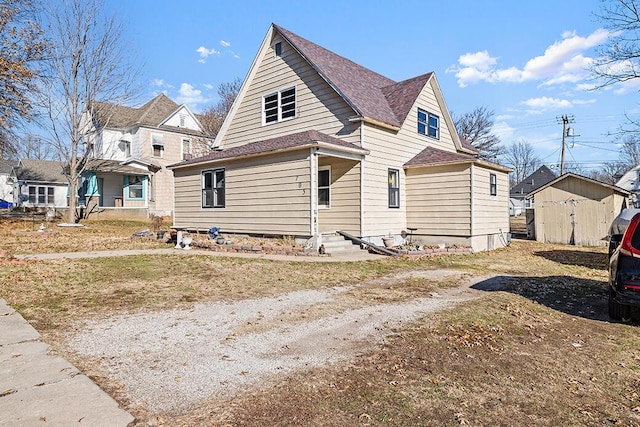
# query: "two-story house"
316,143
131,148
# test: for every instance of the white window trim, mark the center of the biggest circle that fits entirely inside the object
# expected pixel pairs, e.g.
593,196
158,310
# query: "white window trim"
279,93
428,124
320,169
397,171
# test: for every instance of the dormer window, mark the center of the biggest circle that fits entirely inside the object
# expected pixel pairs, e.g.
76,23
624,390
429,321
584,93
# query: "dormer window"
279,106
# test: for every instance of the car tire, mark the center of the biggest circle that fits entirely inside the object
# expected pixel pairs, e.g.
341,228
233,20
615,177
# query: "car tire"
617,311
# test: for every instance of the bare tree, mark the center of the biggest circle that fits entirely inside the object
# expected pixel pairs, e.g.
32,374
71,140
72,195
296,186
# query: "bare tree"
22,47
610,172
521,157
477,128
34,147
89,61
213,117
619,59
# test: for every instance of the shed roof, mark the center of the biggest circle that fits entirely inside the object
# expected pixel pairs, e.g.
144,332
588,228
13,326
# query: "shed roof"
431,156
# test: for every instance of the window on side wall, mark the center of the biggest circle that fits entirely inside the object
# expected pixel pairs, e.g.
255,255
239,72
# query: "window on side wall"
157,141
394,188
493,184
126,148
213,188
32,194
428,124
279,106
324,187
186,149
134,184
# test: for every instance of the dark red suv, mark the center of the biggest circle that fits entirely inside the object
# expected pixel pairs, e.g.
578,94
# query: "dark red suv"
624,269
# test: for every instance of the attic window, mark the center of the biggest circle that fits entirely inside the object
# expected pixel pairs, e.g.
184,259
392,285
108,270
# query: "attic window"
182,119
279,106
277,49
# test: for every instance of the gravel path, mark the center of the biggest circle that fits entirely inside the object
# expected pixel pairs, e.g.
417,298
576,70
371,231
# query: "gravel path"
170,360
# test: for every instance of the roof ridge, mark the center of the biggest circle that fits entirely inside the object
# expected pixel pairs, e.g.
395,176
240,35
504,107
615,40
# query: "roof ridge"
146,108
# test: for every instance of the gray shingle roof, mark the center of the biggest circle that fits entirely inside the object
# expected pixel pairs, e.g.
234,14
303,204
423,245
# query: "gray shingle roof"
370,94
542,176
6,166
40,171
300,139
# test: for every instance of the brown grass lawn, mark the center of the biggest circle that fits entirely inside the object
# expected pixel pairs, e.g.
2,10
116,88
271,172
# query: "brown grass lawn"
539,351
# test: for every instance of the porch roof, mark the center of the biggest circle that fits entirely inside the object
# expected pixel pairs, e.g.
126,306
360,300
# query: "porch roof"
115,166
298,140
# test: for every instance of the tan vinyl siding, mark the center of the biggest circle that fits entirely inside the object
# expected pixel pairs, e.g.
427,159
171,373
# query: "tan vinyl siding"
265,195
490,213
318,106
391,149
344,213
439,200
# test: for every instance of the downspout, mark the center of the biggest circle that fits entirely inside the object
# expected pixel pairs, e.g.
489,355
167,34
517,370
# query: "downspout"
362,181
312,191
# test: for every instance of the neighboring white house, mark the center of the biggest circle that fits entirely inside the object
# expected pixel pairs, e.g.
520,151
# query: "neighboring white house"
131,149
6,188
39,184
518,201
630,181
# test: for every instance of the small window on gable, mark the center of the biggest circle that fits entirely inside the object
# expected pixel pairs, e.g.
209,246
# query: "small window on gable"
428,124
279,106
493,184
277,49
182,120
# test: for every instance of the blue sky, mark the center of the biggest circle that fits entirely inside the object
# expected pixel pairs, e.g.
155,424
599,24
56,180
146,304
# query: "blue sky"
524,60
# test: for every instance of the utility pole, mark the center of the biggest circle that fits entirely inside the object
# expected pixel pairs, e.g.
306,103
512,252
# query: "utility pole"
565,120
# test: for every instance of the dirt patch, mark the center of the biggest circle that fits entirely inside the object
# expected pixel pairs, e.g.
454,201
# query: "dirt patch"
172,361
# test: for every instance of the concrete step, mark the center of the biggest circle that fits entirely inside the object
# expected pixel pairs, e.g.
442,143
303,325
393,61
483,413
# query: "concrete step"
334,244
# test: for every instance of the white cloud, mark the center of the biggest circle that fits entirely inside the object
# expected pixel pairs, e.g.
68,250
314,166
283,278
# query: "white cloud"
160,83
208,86
544,103
205,53
224,43
562,62
188,94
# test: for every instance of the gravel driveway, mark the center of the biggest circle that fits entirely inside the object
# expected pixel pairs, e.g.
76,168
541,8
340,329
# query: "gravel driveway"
171,360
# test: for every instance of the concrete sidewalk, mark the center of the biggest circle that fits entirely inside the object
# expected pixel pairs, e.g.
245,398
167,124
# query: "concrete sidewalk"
39,389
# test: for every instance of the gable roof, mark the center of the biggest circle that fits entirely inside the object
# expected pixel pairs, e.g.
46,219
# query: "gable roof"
537,179
431,156
154,113
293,141
6,166
583,178
31,170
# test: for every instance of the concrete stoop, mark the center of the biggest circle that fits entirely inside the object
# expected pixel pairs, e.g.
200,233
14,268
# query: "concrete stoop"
336,244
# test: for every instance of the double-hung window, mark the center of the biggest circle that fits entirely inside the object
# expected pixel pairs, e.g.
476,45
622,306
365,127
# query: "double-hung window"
428,124
279,106
493,184
394,188
213,188
324,187
186,149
